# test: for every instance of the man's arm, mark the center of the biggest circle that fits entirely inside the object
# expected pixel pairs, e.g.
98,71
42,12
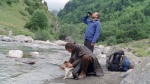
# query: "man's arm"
85,19
97,32
75,63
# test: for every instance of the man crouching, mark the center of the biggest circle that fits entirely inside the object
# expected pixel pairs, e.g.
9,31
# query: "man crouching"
83,61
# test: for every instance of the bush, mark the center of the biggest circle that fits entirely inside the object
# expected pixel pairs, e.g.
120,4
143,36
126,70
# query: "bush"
43,35
111,40
9,2
28,2
38,20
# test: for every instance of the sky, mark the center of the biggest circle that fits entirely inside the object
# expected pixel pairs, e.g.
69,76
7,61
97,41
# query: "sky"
56,4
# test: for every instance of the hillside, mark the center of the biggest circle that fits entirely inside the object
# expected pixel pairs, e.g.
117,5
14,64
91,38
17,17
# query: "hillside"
16,13
122,20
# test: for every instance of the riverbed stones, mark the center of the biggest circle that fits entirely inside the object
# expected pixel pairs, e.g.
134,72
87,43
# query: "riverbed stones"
34,54
22,38
60,42
6,39
15,53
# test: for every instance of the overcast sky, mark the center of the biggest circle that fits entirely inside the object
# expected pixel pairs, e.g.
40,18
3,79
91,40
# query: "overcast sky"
56,4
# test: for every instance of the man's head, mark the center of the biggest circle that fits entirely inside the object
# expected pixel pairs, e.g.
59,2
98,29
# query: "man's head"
69,47
95,16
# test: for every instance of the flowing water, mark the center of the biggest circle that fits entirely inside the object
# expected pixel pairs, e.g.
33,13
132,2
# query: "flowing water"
46,67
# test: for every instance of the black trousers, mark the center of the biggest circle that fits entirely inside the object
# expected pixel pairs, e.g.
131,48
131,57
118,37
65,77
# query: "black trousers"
87,43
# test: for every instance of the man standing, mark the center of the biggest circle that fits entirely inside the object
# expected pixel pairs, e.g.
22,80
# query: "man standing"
92,31
83,61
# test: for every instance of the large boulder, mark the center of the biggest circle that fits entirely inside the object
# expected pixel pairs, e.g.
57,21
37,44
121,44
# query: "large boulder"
134,60
140,74
15,53
110,52
99,49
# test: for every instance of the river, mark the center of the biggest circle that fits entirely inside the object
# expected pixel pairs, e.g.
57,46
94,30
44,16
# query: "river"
46,67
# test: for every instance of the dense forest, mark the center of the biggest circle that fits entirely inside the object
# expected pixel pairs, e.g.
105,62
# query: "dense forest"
122,20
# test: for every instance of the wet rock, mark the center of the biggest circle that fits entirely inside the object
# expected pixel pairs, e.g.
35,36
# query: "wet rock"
49,43
6,39
140,74
15,53
26,61
34,54
60,42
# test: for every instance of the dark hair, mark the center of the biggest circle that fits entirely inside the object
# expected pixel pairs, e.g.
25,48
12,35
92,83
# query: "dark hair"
69,45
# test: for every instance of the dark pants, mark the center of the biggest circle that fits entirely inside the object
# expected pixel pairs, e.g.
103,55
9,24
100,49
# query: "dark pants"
87,64
87,43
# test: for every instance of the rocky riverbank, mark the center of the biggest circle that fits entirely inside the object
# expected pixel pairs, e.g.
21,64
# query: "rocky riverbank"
40,60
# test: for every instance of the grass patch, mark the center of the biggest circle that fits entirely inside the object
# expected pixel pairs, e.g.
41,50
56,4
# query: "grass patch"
140,48
14,18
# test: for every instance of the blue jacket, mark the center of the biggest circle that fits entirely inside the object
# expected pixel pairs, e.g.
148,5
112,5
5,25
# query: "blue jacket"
93,29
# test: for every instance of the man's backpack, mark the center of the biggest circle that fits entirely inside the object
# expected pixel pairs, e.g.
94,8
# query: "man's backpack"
118,62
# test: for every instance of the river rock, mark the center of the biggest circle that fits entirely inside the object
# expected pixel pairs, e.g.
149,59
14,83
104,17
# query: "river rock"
23,38
34,54
106,49
140,74
60,42
99,49
28,39
25,60
69,39
49,43
39,42
7,39
15,53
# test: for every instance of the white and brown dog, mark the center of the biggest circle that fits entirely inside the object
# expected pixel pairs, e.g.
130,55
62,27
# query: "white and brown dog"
68,71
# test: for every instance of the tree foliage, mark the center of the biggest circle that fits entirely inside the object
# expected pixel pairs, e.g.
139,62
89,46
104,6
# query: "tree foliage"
122,20
38,20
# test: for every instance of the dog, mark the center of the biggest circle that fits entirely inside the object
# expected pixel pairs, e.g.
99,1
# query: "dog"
68,71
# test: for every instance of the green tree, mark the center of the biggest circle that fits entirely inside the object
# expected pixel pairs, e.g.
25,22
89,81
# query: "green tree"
39,20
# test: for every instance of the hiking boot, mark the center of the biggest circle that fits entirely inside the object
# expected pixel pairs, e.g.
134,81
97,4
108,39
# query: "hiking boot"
82,75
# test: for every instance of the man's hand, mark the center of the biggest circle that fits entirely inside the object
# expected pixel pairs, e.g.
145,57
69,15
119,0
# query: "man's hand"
69,65
62,67
92,44
88,14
